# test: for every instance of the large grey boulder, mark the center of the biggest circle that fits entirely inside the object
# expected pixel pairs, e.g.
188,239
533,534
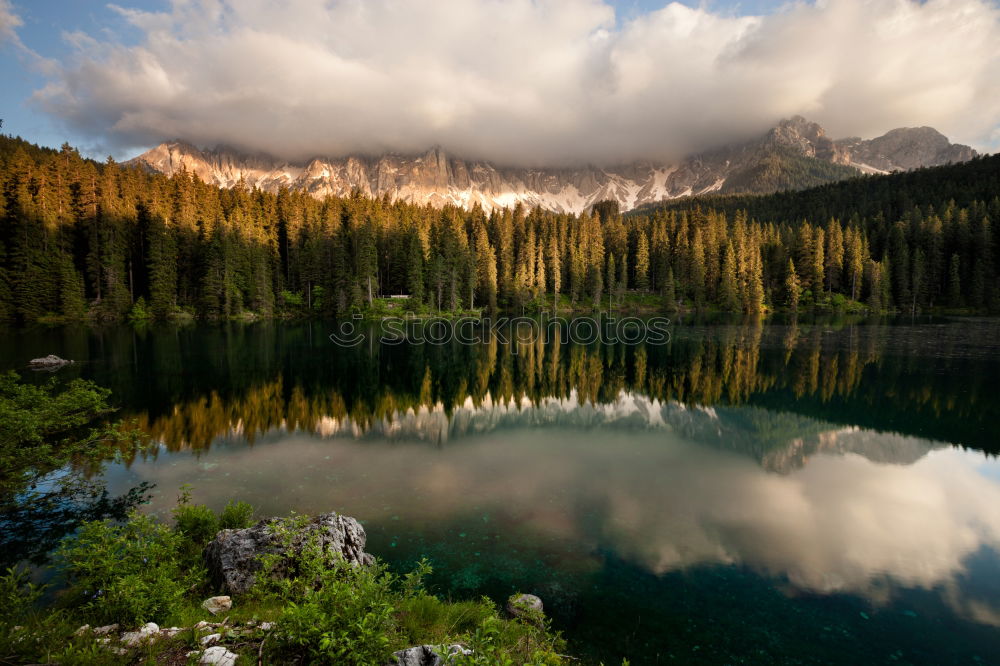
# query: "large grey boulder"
233,557
427,655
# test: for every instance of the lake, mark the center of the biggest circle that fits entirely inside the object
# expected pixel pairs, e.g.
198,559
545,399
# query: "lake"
803,492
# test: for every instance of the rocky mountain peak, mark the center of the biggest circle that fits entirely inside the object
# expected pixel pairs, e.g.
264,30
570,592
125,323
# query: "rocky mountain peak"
438,179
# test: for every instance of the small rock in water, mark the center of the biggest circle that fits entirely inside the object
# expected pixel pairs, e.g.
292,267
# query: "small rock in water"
50,362
216,605
219,656
522,605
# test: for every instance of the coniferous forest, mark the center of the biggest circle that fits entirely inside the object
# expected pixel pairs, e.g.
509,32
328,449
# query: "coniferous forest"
82,239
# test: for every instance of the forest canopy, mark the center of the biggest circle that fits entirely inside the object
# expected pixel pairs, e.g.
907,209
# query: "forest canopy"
82,239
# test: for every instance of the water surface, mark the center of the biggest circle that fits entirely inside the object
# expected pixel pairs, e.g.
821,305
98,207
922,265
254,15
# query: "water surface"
801,493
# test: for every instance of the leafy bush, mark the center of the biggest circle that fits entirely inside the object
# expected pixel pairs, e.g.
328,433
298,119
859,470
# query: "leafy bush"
41,428
236,516
292,299
18,595
140,311
130,573
506,643
346,618
196,522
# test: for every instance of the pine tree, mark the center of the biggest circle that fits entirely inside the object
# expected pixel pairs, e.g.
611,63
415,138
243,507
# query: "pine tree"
642,262
955,282
755,289
486,268
162,268
415,267
669,293
729,296
793,288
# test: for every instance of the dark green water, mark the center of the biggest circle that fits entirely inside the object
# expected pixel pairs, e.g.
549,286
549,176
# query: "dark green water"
807,493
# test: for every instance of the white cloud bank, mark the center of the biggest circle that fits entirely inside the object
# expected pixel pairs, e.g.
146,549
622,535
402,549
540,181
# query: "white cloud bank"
527,81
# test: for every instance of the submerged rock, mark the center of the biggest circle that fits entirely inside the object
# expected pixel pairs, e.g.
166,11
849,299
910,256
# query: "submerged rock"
233,557
427,655
216,605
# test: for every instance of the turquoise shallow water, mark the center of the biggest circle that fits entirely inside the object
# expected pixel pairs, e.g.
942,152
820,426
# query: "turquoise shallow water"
816,493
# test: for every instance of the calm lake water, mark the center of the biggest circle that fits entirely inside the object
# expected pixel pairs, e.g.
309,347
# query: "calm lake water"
800,493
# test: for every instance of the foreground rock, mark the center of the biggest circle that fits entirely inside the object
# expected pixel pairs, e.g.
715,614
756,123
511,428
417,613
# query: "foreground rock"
50,362
233,557
146,634
216,605
219,656
427,655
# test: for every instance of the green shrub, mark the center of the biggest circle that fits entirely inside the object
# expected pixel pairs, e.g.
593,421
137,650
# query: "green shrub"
292,299
18,595
130,573
140,311
236,516
42,427
346,619
508,642
196,522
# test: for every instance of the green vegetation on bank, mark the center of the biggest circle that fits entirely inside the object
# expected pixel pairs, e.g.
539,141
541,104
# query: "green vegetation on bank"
141,570
111,568
81,240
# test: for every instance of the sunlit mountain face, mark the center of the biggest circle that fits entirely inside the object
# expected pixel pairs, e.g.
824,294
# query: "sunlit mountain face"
835,474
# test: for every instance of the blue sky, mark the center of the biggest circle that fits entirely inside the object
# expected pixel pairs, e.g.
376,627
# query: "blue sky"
45,22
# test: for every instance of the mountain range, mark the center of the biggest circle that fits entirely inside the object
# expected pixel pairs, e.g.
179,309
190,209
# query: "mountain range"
794,154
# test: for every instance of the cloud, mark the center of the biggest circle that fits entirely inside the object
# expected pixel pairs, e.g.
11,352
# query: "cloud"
526,81
9,23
